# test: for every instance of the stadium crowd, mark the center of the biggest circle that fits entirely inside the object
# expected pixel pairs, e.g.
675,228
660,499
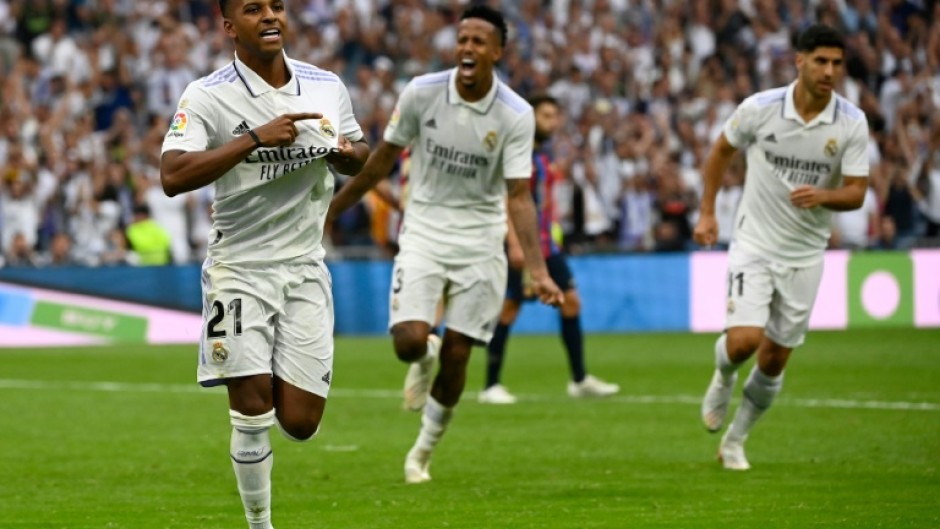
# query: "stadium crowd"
89,88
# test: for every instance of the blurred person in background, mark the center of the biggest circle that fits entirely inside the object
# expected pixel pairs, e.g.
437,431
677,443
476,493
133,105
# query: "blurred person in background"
927,187
149,241
544,174
856,229
727,201
21,253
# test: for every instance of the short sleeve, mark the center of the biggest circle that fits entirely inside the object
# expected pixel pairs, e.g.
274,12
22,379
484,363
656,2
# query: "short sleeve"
517,151
403,125
855,156
348,126
190,127
740,127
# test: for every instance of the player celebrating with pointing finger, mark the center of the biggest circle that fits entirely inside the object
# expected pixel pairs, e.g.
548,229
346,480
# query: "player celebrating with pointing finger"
807,156
262,130
471,141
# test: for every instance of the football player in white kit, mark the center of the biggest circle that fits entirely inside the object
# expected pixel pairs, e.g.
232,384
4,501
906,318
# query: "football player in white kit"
806,150
471,140
262,130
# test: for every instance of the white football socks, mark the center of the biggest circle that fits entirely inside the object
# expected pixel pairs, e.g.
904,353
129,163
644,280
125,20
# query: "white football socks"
759,393
434,423
253,460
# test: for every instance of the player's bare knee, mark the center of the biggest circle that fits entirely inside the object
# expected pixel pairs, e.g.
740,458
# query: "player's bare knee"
410,344
571,307
250,396
743,341
298,429
772,358
509,313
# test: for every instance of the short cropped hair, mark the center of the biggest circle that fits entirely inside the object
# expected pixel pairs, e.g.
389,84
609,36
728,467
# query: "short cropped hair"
543,99
819,36
487,13
223,6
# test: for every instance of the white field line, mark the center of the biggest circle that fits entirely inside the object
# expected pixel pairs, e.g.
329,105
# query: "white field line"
125,387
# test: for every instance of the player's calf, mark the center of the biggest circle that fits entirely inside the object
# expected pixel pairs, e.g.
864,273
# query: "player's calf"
252,460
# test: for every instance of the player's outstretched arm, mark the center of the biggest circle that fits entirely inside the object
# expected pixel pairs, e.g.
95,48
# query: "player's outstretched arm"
848,197
377,167
706,229
522,215
182,171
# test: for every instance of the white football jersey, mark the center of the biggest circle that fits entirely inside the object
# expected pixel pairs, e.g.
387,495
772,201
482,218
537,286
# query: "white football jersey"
461,155
783,153
272,205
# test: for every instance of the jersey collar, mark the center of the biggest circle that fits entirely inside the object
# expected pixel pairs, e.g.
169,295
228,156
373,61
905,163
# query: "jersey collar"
257,86
482,106
827,116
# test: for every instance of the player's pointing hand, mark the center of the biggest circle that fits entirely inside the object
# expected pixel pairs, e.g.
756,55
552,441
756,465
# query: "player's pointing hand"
282,130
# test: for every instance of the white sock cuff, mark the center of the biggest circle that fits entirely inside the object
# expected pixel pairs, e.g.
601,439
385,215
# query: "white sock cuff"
436,412
766,380
761,389
249,423
722,361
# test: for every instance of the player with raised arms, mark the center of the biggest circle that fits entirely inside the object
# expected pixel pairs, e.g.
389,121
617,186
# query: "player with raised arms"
262,130
807,155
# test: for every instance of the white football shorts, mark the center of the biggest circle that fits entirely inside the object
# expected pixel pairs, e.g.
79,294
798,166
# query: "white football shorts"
473,293
268,318
770,295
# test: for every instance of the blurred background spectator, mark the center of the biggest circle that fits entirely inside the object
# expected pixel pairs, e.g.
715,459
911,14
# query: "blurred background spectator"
89,87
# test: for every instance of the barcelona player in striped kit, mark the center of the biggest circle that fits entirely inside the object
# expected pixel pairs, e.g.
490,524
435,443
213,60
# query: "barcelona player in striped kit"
544,176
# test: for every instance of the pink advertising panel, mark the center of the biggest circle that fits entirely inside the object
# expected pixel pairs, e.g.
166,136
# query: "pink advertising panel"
709,287
831,310
18,323
926,287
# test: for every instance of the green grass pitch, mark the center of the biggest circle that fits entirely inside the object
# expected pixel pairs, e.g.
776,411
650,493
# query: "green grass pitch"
122,438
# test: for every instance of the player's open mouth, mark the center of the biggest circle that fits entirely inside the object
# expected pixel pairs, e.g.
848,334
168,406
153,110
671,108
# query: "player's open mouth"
271,35
468,66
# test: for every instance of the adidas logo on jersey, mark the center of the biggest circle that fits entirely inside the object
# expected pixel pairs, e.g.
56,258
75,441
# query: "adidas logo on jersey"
771,138
326,377
431,123
242,128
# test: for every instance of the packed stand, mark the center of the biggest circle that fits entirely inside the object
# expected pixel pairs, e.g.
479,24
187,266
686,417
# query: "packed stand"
89,87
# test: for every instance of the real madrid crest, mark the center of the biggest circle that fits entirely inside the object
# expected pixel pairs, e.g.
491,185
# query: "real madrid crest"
326,128
489,142
219,352
831,148
730,306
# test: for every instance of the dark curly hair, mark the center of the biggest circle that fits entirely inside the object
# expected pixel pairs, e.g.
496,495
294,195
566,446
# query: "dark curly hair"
487,13
819,36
